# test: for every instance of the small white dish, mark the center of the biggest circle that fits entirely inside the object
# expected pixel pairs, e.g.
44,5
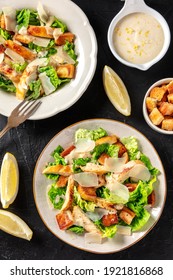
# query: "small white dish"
145,112
86,49
139,6
47,214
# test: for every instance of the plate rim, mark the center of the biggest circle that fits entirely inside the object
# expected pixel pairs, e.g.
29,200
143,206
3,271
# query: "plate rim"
145,233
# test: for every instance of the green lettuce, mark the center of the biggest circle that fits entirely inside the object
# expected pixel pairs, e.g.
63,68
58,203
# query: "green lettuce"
90,134
34,90
76,229
55,195
59,24
107,231
154,171
111,150
140,220
80,162
26,17
5,34
131,145
57,156
83,204
19,67
109,196
52,74
69,48
7,84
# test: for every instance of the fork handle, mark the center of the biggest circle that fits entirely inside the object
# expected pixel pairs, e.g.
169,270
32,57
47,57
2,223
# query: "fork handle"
5,129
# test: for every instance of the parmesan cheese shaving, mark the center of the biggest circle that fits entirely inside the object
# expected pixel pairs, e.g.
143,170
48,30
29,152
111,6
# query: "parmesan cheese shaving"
14,56
2,40
23,30
10,18
114,164
1,57
86,179
91,237
56,33
84,145
44,17
140,172
46,83
62,56
42,42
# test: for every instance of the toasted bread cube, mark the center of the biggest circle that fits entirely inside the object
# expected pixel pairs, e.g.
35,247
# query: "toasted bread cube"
127,215
156,117
64,219
151,103
170,87
152,199
107,139
61,40
170,98
167,124
158,93
66,71
166,108
122,149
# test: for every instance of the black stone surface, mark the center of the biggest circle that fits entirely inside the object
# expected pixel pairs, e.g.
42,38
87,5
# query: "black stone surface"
27,141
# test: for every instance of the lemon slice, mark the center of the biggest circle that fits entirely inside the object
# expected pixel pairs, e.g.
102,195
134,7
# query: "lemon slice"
116,91
9,180
14,225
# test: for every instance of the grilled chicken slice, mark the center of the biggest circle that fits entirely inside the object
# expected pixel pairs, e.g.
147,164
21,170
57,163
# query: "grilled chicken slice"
81,219
10,73
103,203
24,39
29,75
127,215
65,170
40,31
95,168
24,52
62,181
69,195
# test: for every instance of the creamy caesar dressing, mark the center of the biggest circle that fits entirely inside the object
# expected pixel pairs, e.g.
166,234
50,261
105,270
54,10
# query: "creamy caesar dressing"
138,38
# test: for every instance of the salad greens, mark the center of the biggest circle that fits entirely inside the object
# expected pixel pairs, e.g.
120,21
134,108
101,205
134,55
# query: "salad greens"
117,200
33,35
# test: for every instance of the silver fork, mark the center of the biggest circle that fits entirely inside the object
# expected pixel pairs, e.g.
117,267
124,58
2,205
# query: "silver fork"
21,113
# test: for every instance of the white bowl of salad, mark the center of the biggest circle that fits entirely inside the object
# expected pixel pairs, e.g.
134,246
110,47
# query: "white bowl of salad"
47,51
97,188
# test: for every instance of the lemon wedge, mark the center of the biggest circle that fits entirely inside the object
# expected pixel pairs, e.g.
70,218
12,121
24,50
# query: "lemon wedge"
9,180
14,225
116,91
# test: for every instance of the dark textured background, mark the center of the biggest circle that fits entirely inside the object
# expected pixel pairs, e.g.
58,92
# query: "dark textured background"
27,141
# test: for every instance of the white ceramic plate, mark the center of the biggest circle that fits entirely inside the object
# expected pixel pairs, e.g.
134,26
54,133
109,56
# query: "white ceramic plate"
40,183
86,48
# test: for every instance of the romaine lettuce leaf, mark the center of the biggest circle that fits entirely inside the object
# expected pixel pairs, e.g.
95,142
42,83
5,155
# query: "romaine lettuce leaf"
76,229
34,90
109,196
107,231
26,17
131,145
90,134
69,48
52,74
154,171
83,204
19,67
59,24
5,34
140,220
56,196
6,84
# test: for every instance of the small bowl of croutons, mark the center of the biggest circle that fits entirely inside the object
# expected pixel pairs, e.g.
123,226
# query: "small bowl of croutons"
158,106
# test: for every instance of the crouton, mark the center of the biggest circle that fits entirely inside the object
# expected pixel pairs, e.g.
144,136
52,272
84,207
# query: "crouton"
110,219
167,124
166,108
112,139
127,215
66,71
151,103
122,149
64,219
158,93
131,186
62,38
156,117
170,98
24,52
102,158
152,199
170,87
